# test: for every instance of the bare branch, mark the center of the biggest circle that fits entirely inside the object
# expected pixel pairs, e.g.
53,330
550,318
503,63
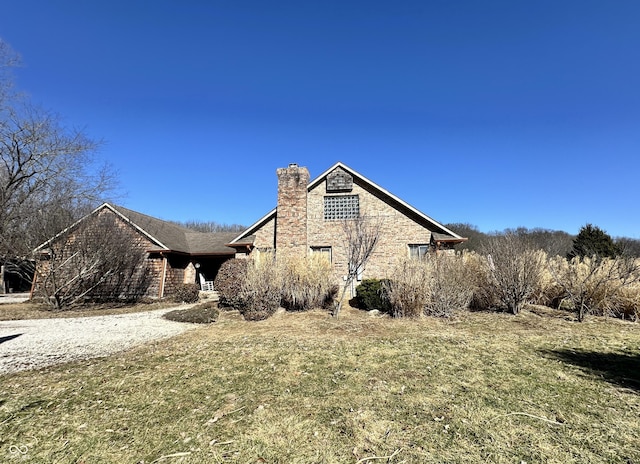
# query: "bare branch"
361,236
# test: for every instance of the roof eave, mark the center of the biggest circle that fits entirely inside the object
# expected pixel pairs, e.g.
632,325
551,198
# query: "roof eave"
253,227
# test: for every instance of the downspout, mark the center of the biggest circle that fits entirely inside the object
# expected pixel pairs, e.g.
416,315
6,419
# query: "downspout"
164,276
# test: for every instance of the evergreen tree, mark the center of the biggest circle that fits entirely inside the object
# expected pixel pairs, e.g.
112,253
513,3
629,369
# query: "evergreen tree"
592,241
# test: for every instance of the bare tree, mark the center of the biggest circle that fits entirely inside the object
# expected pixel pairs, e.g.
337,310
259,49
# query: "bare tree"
99,260
48,173
361,236
515,269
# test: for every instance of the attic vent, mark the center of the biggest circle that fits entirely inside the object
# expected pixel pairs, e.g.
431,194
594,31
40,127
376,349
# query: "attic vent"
339,181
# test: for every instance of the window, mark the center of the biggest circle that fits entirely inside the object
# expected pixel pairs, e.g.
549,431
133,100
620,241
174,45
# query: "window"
322,250
418,251
341,207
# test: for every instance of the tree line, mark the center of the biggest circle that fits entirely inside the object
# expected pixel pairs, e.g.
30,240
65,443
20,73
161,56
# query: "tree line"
552,242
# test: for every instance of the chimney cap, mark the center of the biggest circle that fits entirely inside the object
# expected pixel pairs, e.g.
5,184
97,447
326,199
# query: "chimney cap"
293,165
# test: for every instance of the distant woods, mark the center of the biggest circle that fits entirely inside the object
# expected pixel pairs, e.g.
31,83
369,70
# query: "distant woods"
553,242
211,226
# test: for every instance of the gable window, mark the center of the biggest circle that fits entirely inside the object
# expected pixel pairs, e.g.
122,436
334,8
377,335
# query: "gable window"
324,251
418,251
341,207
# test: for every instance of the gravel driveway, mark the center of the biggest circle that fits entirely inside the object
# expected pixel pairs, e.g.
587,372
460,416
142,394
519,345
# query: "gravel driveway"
33,344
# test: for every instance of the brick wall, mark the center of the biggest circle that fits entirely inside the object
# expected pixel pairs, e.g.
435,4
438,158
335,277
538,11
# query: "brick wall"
150,272
291,224
266,236
397,231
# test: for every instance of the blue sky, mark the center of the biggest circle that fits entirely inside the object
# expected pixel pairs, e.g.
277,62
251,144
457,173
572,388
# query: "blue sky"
495,113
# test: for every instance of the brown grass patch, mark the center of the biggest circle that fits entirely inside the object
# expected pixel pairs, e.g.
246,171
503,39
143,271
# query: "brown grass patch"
305,387
35,310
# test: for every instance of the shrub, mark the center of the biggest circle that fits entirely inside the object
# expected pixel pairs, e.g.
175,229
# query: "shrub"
434,286
483,297
230,281
370,294
407,292
204,313
449,285
186,293
260,295
306,282
515,270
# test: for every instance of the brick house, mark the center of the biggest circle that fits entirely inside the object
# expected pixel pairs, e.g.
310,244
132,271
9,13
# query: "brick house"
309,218
173,254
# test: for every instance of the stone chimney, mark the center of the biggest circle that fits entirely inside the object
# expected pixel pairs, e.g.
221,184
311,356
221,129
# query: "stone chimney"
291,215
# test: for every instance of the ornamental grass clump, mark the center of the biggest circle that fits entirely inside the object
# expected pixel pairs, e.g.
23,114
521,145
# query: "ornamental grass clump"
306,282
593,286
436,286
407,292
450,285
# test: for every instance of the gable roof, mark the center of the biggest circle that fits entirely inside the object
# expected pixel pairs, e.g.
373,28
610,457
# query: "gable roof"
165,235
444,233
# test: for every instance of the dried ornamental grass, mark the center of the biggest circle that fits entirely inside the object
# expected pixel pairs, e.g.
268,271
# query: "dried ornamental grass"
407,292
306,281
598,286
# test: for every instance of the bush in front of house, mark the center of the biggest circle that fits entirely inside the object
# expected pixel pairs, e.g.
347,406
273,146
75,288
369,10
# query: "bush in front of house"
186,293
370,294
450,285
204,313
260,294
434,286
229,282
407,291
306,282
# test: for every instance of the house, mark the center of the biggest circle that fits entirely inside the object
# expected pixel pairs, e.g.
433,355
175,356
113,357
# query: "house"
173,254
310,216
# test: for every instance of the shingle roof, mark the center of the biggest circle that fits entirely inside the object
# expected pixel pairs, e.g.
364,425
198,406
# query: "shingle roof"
166,235
177,238
202,243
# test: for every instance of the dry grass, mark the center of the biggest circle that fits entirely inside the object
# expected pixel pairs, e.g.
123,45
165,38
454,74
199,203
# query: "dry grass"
34,310
304,387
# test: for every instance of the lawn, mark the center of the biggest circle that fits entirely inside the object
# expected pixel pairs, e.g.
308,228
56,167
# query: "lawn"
303,387
35,310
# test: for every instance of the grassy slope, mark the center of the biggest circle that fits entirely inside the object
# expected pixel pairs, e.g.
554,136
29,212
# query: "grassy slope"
307,388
